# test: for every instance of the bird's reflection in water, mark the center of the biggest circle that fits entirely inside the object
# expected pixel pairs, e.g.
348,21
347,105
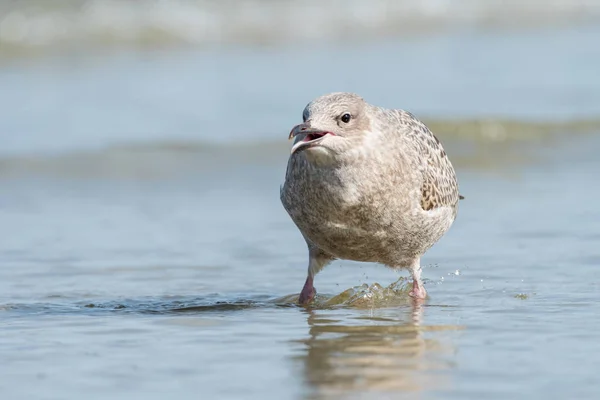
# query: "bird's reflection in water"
385,350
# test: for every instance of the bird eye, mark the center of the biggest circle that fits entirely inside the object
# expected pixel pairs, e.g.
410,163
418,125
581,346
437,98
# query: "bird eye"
346,118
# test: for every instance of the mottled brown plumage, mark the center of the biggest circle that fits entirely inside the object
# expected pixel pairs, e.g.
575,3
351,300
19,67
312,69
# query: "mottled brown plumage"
366,183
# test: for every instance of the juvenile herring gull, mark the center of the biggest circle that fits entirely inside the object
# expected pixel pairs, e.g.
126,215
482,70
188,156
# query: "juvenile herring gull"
366,183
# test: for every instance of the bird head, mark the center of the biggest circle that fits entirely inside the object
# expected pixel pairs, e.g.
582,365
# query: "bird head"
332,123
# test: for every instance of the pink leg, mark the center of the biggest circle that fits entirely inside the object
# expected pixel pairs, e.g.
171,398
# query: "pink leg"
317,260
308,292
418,291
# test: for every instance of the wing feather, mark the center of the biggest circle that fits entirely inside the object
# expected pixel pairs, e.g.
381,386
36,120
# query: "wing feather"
439,186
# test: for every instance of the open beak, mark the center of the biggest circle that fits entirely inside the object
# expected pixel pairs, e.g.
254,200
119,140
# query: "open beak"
305,136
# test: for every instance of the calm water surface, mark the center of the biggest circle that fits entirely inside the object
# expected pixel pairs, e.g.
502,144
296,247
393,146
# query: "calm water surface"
171,270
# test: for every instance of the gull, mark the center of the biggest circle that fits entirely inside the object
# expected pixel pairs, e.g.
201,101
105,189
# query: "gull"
367,184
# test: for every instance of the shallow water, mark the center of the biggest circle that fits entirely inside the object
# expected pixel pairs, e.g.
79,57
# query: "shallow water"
143,271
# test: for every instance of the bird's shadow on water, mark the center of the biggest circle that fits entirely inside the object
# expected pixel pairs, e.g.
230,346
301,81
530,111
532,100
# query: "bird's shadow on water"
364,296
384,348
387,351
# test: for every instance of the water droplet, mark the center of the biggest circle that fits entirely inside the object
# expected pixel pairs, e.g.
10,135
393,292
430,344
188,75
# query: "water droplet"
457,272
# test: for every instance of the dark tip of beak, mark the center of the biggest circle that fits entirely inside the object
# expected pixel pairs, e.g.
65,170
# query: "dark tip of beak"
298,129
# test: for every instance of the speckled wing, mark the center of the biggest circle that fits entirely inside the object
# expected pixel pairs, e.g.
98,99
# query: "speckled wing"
439,185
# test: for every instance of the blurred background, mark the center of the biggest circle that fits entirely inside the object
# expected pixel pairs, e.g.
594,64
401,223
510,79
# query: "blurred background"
143,248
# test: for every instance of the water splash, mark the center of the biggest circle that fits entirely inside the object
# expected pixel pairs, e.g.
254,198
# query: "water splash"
362,296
